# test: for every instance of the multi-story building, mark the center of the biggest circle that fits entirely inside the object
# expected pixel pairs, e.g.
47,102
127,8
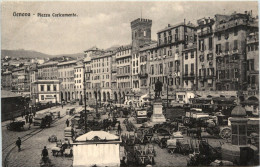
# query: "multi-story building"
166,60
79,81
48,71
253,63
206,61
145,72
6,80
114,88
141,34
20,80
230,50
66,77
88,76
46,91
123,65
101,75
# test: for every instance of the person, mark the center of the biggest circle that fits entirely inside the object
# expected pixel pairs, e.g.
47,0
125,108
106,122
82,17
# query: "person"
67,122
44,154
26,118
18,144
22,114
30,121
119,128
62,105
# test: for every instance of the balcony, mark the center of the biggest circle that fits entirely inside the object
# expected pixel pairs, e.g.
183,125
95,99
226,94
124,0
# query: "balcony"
205,32
201,78
209,76
123,74
143,75
114,70
190,76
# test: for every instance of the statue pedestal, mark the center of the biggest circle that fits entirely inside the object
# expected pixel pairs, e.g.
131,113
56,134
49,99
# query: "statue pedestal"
157,116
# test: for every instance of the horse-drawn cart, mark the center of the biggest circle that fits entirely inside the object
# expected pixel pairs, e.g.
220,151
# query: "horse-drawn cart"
16,125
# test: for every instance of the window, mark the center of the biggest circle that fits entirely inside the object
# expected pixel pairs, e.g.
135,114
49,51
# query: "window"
152,69
235,45
186,69
42,97
199,72
192,55
227,73
235,32
210,43
42,88
192,69
227,46
161,68
201,45
186,56
218,48
219,37
54,88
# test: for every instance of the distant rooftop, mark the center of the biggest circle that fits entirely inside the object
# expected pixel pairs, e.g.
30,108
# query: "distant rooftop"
67,62
189,24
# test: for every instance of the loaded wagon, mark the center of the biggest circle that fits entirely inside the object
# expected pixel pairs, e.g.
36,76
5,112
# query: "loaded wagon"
42,120
141,116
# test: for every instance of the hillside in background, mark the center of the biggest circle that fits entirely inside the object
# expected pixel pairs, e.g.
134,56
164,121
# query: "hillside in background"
21,53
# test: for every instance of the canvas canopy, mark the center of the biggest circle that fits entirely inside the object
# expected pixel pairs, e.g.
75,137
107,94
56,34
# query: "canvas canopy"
96,148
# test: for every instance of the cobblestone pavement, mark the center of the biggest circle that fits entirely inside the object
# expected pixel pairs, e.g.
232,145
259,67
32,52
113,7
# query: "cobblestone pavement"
31,149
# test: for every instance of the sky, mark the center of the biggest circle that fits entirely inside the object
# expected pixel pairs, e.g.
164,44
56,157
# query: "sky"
101,24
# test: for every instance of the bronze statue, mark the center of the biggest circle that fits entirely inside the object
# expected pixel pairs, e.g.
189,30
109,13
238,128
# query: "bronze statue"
158,88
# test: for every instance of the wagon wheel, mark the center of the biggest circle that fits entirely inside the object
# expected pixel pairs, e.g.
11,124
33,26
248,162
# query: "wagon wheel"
225,133
186,121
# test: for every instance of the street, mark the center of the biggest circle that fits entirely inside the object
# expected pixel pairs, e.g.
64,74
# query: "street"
30,154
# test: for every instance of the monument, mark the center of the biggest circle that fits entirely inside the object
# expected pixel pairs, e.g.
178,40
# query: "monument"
239,151
158,116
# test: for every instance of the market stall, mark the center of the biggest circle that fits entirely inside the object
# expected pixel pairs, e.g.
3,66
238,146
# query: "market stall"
96,148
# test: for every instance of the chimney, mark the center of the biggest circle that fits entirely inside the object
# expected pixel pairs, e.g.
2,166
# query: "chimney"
184,21
169,25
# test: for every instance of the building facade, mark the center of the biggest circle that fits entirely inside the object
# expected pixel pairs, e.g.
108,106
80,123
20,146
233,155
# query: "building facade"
66,77
230,51
252,64
6,80
206,61
141,34
48,71
46,91
79,81
123,74
21,80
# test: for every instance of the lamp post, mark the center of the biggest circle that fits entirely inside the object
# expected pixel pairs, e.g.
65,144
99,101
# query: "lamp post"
96,100
84,91
167,90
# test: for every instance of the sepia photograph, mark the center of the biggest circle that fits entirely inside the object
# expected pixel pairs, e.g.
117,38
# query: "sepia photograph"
129,83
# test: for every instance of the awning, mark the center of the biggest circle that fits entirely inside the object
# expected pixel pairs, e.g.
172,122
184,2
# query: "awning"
102,135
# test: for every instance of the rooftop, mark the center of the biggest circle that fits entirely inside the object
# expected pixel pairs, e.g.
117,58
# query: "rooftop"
67,62
169,27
